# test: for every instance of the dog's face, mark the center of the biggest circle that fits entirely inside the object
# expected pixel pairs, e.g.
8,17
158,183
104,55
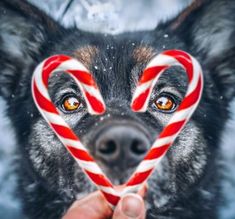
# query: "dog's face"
119,139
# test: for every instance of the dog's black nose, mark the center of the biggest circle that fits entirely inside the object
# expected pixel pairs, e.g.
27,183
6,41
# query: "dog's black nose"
121,145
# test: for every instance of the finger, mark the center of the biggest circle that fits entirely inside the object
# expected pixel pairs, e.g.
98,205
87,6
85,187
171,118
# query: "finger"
94,206
131,206
143,190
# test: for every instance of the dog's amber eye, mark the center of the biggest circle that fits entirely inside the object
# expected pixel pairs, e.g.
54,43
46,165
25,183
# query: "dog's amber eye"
71,103
165,103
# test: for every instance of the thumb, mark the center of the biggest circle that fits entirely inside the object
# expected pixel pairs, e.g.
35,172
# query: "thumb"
129,207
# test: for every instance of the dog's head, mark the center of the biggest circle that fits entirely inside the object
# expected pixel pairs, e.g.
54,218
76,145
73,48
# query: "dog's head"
120,138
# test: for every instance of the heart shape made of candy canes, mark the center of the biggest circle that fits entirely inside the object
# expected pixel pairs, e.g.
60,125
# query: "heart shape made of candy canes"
96,106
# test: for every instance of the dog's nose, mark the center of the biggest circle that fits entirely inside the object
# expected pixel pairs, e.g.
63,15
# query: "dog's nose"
121,145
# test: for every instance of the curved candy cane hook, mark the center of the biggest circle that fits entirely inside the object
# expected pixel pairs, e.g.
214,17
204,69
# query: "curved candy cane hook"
179,119
95,105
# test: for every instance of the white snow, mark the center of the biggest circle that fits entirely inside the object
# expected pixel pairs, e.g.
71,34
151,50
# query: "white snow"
9,204
113,16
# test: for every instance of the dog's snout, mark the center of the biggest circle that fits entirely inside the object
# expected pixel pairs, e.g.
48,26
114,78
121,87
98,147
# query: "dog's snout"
121,145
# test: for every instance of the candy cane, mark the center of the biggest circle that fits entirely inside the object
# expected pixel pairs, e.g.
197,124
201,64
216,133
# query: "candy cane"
140,102
95,106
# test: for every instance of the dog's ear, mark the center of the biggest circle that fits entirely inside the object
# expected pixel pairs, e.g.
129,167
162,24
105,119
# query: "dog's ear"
208,27
24,30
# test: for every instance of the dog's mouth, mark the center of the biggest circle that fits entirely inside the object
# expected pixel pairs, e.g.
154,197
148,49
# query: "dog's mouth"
118,177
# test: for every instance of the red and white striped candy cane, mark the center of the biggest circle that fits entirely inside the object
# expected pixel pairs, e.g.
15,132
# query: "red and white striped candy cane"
141,98
95,106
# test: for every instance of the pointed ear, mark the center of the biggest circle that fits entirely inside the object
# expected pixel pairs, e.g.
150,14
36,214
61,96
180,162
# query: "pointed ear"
24,32
207,27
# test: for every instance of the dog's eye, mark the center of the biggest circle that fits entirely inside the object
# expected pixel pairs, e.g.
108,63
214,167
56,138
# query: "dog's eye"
71,103
165,103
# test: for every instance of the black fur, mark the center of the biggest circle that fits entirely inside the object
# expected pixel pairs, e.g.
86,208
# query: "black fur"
187,182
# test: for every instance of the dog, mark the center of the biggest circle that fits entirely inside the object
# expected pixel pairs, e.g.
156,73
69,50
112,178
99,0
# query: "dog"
187,183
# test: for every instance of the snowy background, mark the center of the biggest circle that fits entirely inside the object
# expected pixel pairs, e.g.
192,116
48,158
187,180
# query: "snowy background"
111,17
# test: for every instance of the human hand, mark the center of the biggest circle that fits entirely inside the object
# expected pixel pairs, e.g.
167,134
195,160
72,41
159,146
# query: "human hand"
94,206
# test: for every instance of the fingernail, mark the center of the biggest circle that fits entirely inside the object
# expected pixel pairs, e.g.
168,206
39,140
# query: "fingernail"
131,205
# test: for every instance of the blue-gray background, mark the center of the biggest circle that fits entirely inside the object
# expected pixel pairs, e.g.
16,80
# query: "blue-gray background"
112,16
